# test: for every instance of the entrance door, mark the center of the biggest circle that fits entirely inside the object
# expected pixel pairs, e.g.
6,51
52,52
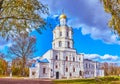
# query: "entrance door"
57,75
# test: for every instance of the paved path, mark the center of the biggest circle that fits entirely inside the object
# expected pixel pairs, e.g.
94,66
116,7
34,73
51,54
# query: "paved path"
24,81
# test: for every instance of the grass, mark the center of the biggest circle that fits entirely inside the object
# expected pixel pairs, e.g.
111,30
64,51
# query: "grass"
103,80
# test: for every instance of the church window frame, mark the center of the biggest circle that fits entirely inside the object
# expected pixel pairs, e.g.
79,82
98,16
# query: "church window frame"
80,73
66,69
66,58
60,43
56,66
68,44
44,70
56,57
73,69
67,34
73,59
33,73
86,66
60,33
70,74
89,66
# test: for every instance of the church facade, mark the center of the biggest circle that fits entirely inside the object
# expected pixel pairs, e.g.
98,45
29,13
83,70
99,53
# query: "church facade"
62,61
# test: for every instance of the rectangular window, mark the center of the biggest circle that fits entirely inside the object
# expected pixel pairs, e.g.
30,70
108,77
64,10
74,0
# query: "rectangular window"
44,70
67,34
73,59
86,65
60,44
33,73
60,33
56,57
68,44
56,66
73,69
66,69
66,58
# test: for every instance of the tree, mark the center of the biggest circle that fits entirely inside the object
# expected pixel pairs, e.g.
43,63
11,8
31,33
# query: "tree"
111,69
23,48
18,16
17,68
113,7
3,65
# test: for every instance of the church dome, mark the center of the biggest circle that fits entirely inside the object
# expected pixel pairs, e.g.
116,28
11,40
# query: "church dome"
62,16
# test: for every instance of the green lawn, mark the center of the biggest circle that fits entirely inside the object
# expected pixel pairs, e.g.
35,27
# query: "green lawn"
104,80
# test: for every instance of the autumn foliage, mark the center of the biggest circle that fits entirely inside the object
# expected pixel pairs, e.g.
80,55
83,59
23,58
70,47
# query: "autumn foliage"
113,7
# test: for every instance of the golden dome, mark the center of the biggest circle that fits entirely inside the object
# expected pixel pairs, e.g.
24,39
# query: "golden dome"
62,16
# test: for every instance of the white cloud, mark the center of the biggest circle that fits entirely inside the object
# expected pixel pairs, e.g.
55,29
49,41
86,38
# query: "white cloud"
93,19
104,58
91,56
96,33
109,57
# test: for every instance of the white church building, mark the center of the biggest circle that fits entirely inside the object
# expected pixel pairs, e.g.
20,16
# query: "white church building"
92,69
62,61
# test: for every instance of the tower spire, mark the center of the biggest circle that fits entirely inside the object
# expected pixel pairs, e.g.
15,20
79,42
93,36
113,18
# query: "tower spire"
62,18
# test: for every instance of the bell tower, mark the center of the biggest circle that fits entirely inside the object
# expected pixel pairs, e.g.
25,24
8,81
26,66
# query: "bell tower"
62,35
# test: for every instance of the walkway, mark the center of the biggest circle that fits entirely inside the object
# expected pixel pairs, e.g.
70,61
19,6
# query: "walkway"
24,81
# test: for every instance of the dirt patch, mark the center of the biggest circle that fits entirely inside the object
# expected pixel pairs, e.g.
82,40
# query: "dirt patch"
24,81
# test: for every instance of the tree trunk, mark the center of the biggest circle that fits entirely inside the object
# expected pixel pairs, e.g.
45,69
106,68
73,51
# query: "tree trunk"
23,66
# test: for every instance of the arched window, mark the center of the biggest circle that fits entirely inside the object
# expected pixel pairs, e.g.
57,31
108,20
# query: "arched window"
66,58
56,57
86,65
33,73
60,33
66,69
68,44
67,34
80,73
70,74
44,70
73,69
60,43
56,66
73,59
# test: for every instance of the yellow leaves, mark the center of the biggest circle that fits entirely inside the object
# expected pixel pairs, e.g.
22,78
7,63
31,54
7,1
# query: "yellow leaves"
110,23
113,7
20,2
118,1
20,14
3,66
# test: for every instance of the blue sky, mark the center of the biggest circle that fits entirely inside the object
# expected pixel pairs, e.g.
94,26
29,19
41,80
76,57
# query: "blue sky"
91,35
